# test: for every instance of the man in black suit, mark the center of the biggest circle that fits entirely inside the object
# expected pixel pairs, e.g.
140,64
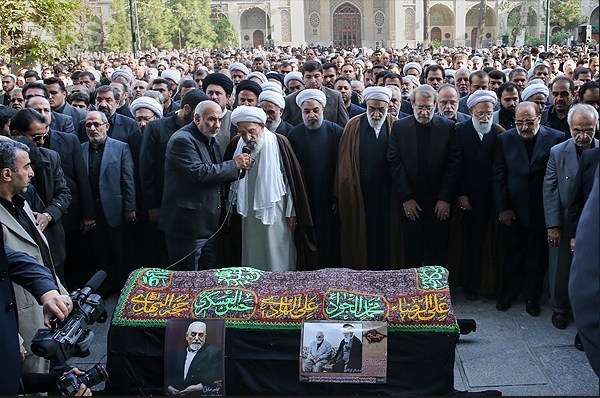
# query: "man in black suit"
519,169
152,159
192,203
424,159
199,367
312,74
348,357
58,100
58,121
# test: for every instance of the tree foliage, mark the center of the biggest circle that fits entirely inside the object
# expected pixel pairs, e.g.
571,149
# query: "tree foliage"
566,14
38,30
168,24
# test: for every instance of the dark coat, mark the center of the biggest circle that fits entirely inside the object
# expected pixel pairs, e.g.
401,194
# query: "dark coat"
62,122
25,271
354,110
444,158
284,128
192,197
518,181
76,114
152,159
71,162
116,185
584,181
334,111
355,359
206,368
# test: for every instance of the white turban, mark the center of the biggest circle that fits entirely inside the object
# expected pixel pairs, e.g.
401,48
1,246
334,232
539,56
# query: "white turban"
147,103
122,73
450,72
260,75
239,66
292,76
534,89
273,97
481,96
248,114
311,94
413,80
412,65
377,93
272,86
172,74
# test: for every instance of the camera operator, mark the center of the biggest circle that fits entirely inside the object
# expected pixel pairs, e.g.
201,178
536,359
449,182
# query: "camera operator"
25,271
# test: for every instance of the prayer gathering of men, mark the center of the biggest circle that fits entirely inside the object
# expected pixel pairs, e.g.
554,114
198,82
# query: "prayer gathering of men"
299,160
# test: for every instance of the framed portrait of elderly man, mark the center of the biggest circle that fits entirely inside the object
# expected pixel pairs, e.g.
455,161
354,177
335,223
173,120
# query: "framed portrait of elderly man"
343,352
194,357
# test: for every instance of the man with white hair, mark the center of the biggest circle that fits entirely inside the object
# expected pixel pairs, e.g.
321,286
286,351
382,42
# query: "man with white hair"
271,199
191,208
363,185
315,143
318,354
198,366
273,104
424,159
559,191
477,137
409,83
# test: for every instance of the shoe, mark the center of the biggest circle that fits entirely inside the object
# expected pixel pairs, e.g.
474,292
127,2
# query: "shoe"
578,343
470,293
560,320
532,307
503,304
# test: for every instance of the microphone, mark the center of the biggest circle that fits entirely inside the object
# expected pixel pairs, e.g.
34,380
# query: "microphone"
245,150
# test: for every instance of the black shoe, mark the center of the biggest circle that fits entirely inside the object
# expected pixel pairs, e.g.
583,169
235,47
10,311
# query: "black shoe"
503,304
578,343
532,307
470,293
560,320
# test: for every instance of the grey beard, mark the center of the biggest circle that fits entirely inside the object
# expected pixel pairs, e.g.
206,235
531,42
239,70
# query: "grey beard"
195,346
482,128
376,124
423,120
313,125
272,126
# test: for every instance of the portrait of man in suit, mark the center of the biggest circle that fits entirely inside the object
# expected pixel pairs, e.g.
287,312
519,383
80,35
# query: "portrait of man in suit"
198,368
319,352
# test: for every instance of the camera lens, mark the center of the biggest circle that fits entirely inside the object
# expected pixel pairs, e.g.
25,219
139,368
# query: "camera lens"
95,375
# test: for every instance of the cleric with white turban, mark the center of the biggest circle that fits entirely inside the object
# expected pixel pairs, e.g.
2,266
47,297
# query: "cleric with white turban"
311,94
248,114
412,65
292,76
272,86
533,89
377,93
273,97
147,103
257,75
240,67
123,73
481,96
171,74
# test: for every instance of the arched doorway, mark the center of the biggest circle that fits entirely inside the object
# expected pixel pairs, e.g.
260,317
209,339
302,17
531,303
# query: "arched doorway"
258,38
436,34
347,26
489,24
595,22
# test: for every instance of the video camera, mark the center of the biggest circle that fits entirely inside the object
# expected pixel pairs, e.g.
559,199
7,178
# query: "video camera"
69,383
72,337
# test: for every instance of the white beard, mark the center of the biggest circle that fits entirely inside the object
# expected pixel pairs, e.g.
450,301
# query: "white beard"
376,124
195,347
482,128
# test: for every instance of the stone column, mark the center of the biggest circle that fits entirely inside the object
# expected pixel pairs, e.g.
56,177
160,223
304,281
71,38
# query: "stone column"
460,14
298,20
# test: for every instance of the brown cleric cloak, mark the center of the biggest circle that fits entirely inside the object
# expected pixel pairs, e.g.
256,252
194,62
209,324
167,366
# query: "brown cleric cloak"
304,234
347,190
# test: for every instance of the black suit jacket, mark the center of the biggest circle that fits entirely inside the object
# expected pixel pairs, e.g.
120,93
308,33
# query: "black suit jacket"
22,269
444,159
206,368
334,111
76,114
518,181
62,122
284,128
584,181
192,196
71,162
152,159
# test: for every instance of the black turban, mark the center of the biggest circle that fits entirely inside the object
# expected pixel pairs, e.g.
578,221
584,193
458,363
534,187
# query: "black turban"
276,76
220,80
248,85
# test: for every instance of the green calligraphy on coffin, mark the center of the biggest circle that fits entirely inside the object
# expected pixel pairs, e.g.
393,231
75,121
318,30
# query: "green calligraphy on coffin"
350,306
234,304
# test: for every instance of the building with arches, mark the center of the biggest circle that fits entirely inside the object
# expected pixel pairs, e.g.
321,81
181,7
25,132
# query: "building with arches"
376,23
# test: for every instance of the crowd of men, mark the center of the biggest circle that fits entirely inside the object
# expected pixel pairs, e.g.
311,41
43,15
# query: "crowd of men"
306,158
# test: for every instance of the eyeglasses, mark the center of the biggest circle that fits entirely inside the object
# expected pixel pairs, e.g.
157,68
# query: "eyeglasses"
89,125
528,123
482,114
39,137
589,133
427,108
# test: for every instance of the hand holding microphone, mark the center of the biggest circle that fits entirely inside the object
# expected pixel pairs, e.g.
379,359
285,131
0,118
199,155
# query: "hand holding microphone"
244,160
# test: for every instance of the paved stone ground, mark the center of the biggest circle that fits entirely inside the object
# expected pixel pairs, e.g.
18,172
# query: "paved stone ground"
510,351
